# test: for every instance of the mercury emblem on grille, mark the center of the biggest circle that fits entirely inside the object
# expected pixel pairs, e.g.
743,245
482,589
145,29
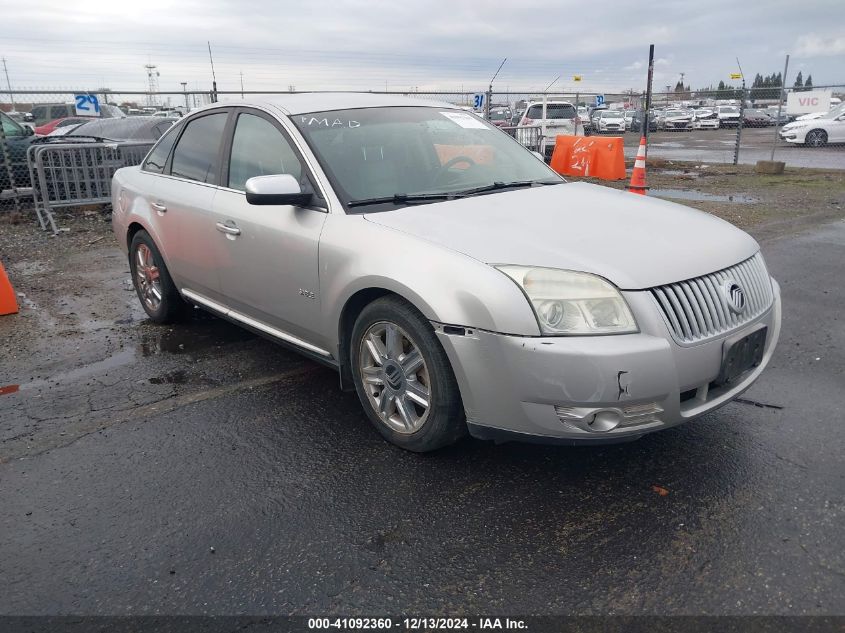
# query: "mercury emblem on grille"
735,296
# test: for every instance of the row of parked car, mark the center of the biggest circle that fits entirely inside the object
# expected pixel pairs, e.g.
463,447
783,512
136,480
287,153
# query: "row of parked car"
609,120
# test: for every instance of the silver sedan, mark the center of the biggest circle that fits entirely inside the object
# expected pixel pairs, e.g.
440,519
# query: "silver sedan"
454,281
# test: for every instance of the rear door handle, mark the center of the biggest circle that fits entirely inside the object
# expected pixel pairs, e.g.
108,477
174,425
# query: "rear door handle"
228,229
158,207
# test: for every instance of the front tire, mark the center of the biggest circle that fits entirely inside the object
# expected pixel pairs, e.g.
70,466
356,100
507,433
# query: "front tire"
155,288
816,138
403,377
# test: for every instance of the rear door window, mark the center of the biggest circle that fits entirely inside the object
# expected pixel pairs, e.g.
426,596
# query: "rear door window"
198,150
59,112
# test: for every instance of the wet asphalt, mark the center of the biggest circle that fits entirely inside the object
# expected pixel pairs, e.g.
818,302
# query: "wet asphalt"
717,146
200,470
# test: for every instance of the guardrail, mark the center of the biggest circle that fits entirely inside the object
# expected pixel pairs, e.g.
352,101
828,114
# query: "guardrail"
531,136
76,174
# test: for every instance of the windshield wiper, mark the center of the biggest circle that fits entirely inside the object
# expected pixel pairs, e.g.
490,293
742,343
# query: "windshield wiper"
505,185
402,198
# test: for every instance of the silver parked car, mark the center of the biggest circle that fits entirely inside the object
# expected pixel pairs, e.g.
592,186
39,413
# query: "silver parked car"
455,281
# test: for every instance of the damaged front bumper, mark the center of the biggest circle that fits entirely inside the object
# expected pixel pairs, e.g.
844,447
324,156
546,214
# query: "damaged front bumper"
592,389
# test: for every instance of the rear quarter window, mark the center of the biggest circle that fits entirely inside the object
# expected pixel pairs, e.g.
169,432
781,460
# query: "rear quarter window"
157,158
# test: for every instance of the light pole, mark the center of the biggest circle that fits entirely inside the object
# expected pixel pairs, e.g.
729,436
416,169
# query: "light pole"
185,91
490,90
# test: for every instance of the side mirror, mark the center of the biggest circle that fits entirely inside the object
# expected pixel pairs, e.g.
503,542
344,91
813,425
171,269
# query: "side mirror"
276,189
27,131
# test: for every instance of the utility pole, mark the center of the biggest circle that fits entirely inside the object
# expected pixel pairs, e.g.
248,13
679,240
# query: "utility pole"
185,91
741,114
647,107
213,76
242,85
780,105
9,83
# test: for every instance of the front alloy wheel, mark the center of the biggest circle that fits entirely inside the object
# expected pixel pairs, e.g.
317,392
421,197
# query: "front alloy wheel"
816,138
395,377
403,377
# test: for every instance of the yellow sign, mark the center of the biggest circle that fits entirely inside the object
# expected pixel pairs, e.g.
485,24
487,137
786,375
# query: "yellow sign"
736,75
576,78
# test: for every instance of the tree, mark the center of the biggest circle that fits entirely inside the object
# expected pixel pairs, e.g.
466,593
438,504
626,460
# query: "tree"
809,83
799,81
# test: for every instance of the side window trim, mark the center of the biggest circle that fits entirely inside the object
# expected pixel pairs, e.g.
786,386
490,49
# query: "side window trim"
227,153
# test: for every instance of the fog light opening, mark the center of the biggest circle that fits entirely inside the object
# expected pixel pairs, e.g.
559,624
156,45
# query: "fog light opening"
605,421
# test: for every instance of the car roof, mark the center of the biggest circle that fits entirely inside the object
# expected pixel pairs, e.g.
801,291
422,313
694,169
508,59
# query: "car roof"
551,102
303,103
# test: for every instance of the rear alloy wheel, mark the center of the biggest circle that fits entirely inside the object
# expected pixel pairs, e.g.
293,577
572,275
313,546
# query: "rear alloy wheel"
816,138
156,290
403,377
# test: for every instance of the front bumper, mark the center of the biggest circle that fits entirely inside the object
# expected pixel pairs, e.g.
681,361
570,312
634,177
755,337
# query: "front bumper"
791,136
546,388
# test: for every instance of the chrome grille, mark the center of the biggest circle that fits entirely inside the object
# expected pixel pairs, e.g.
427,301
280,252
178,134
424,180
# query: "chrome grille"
697,309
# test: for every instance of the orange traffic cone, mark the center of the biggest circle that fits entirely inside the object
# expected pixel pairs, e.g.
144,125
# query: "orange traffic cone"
8,303
637,184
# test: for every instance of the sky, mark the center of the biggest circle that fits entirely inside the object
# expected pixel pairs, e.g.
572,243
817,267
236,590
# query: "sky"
422,45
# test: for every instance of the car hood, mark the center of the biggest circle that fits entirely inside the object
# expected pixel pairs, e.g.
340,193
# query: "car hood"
634,241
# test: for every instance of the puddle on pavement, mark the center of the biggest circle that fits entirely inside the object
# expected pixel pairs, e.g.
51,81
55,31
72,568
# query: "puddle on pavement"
679,172
200,334
685,194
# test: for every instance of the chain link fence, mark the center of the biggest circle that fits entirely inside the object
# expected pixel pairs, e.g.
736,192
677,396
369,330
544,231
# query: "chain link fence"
731,125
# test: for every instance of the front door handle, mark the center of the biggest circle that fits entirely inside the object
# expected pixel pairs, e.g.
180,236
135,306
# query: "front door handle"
228,229
158,207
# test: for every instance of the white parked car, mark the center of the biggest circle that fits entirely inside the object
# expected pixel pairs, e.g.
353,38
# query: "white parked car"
559,119
705,120
728,115
675,120
828,128
610,121
629,119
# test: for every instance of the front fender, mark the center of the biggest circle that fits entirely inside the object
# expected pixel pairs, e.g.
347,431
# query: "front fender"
446,286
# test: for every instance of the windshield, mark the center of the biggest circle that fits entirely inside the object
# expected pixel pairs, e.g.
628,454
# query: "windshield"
500,115
840,109
675,113
610,114
373,153
729,109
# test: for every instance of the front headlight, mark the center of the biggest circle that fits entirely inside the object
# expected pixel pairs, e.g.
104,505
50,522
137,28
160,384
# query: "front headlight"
569,302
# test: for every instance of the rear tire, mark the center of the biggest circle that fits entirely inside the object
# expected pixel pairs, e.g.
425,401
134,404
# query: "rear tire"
155,288
403,377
